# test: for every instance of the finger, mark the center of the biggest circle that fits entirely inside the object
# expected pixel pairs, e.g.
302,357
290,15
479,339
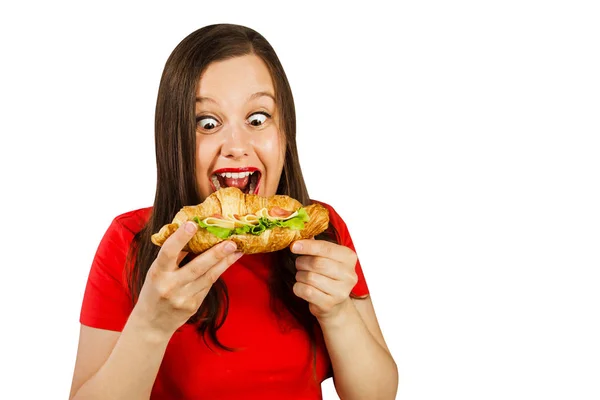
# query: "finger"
323,248
318,281
321,265
181,256
205,282
168,255
313,295
199,265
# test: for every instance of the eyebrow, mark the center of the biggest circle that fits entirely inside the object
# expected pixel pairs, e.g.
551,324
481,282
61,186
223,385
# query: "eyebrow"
252,97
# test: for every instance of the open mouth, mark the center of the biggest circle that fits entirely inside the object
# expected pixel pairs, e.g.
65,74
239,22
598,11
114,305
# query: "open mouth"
245,179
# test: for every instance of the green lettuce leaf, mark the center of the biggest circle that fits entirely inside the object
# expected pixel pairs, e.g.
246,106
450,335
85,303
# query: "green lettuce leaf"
302,215
258,229
267,223
222,233
296,223
293,223
241,230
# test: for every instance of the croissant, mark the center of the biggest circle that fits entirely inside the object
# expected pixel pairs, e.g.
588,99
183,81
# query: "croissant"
228,212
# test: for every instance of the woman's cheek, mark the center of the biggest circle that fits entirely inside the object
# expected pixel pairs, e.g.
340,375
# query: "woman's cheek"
206,156
271,152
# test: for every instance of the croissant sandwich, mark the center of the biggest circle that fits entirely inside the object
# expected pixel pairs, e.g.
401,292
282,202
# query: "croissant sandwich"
255,223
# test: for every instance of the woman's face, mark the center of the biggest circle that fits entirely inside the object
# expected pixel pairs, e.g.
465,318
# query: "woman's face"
237,132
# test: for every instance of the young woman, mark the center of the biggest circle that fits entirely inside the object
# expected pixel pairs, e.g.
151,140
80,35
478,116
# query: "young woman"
159,323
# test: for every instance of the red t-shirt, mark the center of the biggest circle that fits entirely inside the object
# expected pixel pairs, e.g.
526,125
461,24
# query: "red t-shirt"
274,363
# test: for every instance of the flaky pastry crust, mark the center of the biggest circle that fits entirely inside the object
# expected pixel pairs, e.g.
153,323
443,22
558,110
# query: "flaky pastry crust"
232,200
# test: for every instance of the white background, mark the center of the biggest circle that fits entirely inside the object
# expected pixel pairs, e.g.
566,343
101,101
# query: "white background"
467,130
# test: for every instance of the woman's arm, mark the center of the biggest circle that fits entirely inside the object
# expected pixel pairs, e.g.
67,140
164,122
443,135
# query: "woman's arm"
362,365
169,297
130,369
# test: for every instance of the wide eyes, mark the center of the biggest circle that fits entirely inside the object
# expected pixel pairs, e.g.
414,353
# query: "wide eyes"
208,123
258,121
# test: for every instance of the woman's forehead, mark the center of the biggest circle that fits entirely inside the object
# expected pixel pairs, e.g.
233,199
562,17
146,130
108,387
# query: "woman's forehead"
239,79
264,95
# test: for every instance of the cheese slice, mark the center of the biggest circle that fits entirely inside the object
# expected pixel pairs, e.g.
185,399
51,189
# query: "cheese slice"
264,213
242,220
249,219
221,223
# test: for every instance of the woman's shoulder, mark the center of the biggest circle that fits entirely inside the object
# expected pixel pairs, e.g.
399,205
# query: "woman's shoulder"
117,239
124,227
134,220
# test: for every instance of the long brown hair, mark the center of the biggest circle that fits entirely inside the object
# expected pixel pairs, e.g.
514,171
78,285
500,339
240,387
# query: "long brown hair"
175,142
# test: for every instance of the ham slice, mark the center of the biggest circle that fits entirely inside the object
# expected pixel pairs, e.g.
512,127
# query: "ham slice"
279,212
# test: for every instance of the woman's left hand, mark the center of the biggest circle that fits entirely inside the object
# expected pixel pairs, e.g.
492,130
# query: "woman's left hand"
326,275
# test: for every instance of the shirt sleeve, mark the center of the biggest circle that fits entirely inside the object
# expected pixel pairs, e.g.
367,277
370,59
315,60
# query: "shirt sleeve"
360,290
106,300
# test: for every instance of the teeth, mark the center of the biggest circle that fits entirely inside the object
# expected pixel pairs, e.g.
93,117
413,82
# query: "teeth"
236,175
215,182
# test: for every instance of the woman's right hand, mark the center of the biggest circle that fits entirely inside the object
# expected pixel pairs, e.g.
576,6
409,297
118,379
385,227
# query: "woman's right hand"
170,294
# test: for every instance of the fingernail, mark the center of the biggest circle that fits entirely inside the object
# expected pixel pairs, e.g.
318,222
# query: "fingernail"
238,255
297,247
190,227
230,247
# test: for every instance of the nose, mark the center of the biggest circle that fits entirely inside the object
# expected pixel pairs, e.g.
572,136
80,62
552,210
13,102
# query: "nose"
236,144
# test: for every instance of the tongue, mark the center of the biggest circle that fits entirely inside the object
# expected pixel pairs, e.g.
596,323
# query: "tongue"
239,183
